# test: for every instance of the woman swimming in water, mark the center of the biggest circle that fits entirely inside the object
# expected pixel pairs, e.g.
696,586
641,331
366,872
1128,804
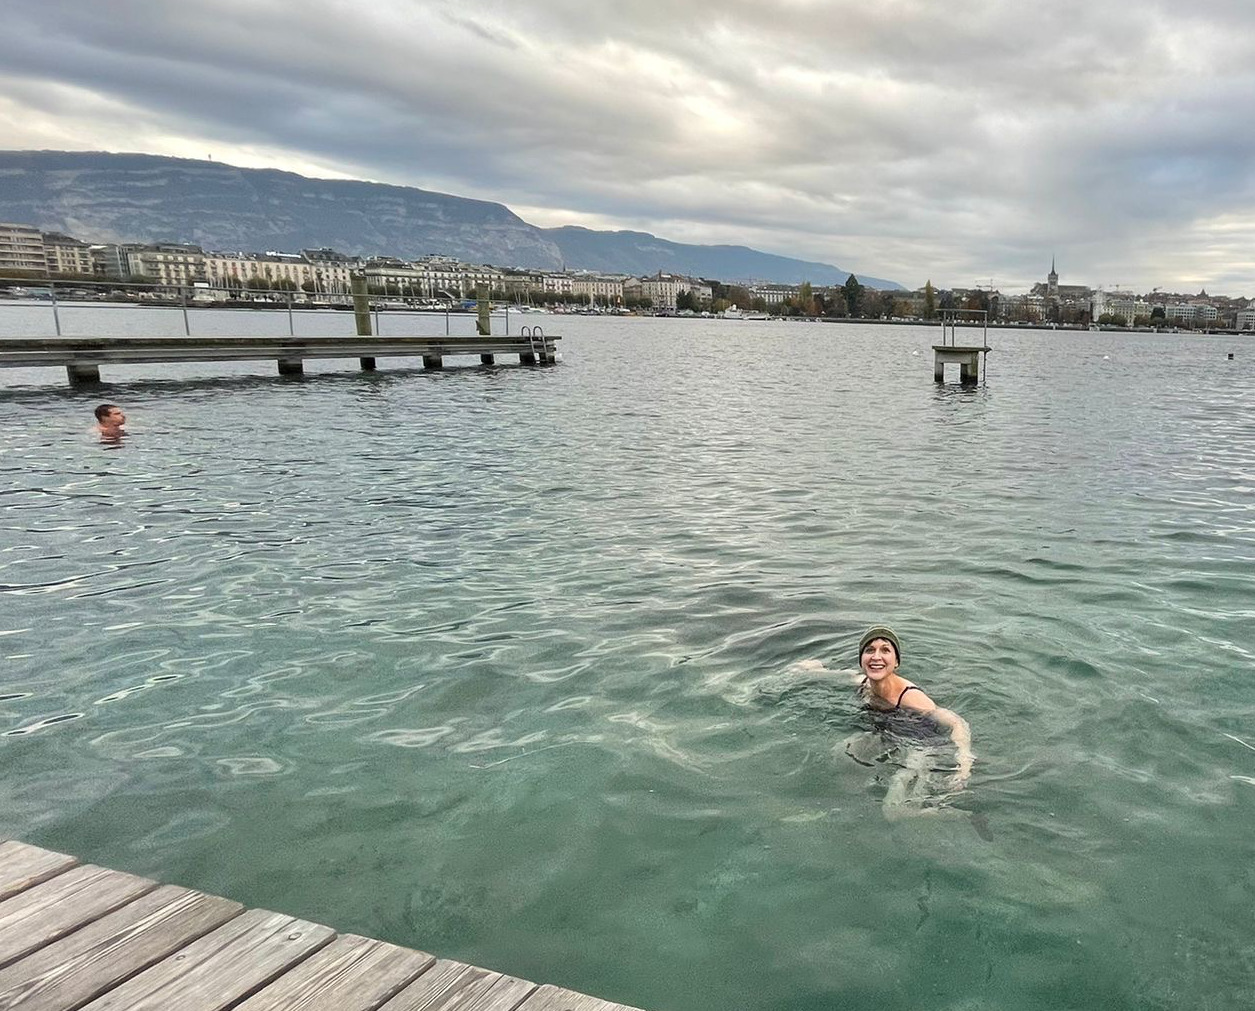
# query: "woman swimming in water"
901,712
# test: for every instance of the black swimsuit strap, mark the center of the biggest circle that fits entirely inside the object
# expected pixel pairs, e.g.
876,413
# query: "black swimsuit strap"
863,684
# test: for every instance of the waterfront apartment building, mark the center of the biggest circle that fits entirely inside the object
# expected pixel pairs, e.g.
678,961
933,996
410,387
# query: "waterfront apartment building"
774,294
701,291
1119,303
477,276
385,272
600,290
328,273
519,284
1246,319
440,277
1192,312
109,259
67,255
331,270
174,263
1022,308
21,248
662,290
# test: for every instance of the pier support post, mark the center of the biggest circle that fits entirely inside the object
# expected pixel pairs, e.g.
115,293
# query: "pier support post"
361,305
291,367
368,364
487,359
527,358
82,374
433,362
966,357
483,323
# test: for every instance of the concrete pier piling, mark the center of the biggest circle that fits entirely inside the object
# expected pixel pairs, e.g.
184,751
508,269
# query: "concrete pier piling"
361,315
82,374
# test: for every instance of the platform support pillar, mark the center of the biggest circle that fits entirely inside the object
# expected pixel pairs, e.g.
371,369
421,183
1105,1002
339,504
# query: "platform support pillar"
82,374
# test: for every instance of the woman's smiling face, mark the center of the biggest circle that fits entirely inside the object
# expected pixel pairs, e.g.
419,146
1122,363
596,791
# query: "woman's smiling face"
879,659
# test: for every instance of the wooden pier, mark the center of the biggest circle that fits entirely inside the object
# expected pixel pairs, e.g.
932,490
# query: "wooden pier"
78,936
82,357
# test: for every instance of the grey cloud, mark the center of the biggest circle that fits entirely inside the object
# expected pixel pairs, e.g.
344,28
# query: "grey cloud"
909,139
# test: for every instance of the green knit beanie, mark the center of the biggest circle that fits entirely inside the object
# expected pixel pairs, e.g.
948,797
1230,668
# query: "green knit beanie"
880,632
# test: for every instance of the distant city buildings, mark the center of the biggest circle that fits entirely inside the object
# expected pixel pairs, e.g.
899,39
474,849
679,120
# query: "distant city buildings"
324,273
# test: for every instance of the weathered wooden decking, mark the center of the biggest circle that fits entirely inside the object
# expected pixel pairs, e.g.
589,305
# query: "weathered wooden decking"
82,357
78,936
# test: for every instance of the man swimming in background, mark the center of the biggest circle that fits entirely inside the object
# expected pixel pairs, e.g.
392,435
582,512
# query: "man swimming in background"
901,716
110,423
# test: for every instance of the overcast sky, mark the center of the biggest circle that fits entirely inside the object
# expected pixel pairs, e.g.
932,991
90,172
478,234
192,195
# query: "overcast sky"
960,142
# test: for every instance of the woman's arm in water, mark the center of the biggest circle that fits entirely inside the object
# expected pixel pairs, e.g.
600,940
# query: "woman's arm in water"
817,667
961,734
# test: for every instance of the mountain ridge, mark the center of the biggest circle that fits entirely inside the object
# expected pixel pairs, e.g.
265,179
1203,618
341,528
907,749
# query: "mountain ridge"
131,197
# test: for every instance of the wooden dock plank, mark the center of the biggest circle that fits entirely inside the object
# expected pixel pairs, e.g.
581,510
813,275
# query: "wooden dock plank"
22,866
351,974
456,986
221,968
41,914
68,973
553,998
84,938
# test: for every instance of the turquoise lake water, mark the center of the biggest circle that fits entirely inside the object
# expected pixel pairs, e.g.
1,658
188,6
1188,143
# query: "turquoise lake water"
499,663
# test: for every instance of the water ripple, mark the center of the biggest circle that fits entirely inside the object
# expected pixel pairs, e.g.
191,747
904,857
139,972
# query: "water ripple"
504,639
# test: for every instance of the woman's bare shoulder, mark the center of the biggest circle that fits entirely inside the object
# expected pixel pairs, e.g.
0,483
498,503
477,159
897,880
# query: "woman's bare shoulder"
914,697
